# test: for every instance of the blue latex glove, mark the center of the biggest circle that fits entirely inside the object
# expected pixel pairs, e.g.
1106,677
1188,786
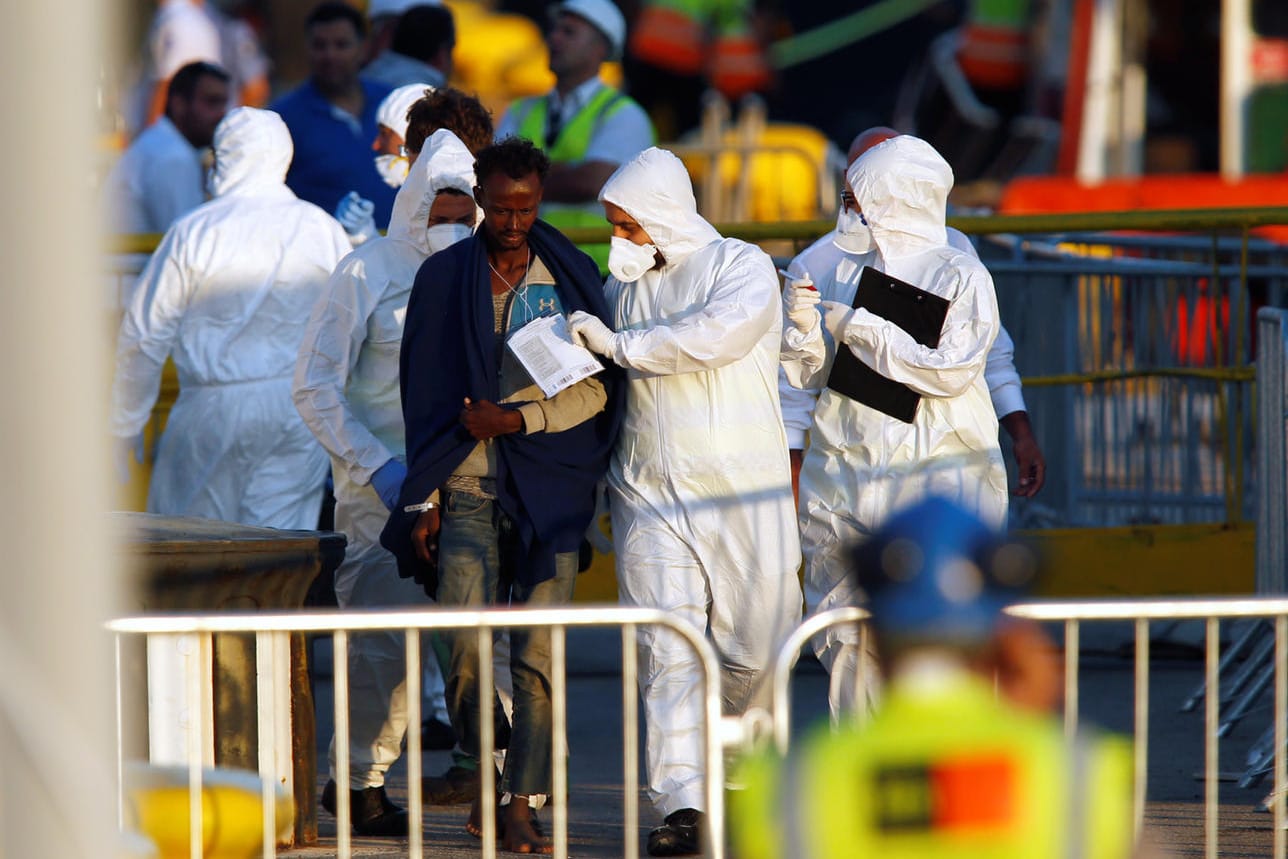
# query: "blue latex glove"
356,216
388,481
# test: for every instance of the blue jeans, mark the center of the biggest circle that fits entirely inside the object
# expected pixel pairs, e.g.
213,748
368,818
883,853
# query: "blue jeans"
475,554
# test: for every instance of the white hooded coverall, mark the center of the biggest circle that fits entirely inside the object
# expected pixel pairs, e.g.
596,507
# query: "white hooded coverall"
346,389
700,485
835,273
228,293
862,465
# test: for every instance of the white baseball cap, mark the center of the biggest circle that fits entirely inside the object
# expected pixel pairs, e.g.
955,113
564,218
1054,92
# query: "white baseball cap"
382,8
603,15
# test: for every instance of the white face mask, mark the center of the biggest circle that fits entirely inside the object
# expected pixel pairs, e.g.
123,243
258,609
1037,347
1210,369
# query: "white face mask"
393,169
628,261
443,236
852,232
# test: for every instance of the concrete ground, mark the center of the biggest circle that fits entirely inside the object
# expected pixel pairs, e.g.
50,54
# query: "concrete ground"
1175,793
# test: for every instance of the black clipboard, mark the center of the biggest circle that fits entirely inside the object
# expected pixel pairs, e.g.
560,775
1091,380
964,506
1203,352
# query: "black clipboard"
917,312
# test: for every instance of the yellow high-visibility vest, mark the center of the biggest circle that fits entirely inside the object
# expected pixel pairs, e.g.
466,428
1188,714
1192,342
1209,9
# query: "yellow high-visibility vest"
951,773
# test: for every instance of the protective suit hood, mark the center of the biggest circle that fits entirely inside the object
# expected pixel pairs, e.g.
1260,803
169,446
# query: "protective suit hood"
443,163
655,190
902,186
392,112
253,150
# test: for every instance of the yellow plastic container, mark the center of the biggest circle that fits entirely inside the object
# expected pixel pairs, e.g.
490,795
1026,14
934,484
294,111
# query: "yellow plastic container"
156,805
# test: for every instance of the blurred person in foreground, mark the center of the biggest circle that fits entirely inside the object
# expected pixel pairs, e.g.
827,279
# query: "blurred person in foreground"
501,478
346,389
160,176
946,768
863,463
228,293
332,118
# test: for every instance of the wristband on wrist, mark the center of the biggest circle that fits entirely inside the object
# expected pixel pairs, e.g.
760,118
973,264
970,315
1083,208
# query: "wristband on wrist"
421,508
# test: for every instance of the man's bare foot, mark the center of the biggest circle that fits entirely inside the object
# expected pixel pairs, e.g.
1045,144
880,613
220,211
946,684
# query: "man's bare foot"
474,826
521,836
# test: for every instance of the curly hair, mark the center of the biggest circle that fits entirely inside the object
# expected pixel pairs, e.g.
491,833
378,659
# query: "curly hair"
516,157
463,115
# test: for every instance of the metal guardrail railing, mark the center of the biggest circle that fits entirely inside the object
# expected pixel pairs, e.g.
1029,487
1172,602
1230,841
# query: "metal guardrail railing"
271,630
1140,612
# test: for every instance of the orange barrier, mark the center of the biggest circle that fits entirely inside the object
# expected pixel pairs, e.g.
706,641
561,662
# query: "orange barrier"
1037,195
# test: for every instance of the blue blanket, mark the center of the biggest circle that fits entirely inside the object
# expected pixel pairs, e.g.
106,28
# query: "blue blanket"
545,482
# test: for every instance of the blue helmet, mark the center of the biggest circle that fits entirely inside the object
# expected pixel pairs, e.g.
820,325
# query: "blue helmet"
935,573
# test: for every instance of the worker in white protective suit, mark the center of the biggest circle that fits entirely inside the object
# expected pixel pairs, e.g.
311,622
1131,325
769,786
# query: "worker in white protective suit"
356,213
833,265
393,161
227,294
699,486
861,464
346,389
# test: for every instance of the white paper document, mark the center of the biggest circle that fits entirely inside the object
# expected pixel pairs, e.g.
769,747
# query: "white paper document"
545,349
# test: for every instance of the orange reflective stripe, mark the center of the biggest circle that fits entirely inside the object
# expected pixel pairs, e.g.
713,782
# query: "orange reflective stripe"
669,39
738,66
994,56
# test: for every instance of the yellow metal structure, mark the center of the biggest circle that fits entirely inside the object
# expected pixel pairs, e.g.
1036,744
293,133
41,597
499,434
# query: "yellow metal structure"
1150,560
782,167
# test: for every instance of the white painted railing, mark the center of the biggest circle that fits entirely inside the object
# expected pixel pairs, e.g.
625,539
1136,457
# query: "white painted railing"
272,631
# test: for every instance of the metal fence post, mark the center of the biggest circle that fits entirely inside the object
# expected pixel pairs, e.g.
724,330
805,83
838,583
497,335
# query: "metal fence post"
1272,473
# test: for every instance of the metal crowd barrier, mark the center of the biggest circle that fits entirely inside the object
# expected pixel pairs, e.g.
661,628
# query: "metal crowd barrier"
272,630
1266,756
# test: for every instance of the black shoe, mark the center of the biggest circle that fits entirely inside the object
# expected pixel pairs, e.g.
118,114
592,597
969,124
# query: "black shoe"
437,736
457,786
373,812
680,835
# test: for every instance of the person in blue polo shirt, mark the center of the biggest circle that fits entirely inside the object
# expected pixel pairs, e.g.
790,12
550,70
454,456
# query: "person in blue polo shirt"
332,120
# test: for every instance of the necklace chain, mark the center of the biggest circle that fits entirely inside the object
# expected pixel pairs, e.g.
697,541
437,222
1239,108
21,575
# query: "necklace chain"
511,287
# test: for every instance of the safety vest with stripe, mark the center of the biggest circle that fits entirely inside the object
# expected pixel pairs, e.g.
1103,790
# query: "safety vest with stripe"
962,776
994,45
692,37
570,147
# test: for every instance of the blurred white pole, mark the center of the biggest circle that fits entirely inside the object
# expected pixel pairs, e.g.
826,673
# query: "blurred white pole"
60,582
1101,131
1236,84
1130,157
